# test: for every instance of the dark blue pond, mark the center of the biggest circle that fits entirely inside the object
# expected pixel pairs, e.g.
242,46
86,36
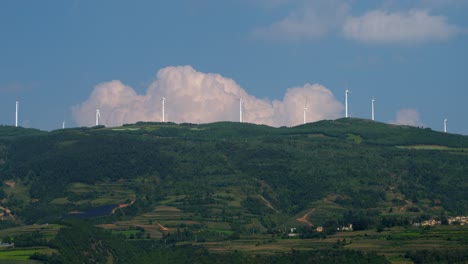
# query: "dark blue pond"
97,211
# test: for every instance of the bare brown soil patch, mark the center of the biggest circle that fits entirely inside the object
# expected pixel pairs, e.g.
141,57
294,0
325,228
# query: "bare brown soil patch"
304,218
166,209
123,205
11,183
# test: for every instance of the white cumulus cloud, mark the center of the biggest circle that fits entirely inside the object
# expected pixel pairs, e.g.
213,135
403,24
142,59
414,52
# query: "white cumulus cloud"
409,117
197,97
412,26
313,20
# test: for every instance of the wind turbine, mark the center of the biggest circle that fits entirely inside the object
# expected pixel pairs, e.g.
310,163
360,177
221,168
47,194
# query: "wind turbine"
373,116
305,110
445,125
346,101
63,124
98,115
163,106
16,114
241,102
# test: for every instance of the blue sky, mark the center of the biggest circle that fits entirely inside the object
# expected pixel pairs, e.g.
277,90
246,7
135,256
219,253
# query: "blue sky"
59,58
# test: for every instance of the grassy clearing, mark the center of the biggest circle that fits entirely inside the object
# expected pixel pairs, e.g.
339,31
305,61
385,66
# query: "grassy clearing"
426,147
324,211
60,201
127,229
231,199
126,233
223,231
398,240
264,245
98,194
167,216
126,129
170,200
218,225
11,261
78,186
161,209
23,254
433,147
17,189
48,230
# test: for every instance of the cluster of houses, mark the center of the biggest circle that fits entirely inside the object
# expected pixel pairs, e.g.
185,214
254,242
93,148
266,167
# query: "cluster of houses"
455,220
6,245
341,228
431,222
345,228
461,220
319,229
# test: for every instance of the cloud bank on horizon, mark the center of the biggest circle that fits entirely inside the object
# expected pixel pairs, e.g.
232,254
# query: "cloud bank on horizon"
315,19
380,26
197,97
408,117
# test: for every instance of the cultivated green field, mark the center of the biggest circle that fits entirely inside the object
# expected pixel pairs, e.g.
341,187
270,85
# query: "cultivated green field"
47,230
22,255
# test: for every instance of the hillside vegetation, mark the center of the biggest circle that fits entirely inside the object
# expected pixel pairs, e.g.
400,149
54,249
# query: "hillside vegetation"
225,181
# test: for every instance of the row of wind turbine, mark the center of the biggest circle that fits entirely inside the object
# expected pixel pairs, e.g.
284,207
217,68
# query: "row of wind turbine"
373,110
241,104
346,105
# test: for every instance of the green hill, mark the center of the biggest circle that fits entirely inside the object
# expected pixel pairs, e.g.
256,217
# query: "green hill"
224,181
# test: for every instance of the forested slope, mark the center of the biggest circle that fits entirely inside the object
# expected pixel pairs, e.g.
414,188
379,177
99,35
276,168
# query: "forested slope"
275,173
144,188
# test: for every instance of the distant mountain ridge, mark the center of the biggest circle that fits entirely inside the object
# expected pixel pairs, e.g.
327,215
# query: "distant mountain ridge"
270,176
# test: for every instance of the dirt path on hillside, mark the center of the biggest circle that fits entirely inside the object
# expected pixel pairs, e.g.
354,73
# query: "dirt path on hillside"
264,186
304,218
5,214
406,206
123,205
268,203
163,228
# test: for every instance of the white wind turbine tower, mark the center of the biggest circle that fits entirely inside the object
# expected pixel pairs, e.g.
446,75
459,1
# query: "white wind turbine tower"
346,101
16,114
305,111
163,106
445,125
63,125
241,102
98,115
373,116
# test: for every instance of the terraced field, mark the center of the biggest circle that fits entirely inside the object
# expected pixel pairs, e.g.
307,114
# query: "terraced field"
48,230
22,255
99,194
